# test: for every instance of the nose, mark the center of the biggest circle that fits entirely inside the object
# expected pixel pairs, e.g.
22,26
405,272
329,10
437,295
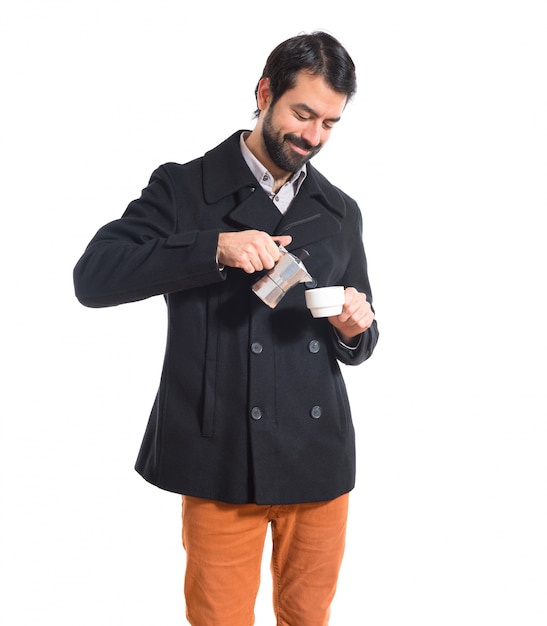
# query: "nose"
312,133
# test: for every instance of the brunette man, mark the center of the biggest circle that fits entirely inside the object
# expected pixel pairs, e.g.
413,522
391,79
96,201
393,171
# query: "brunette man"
251,423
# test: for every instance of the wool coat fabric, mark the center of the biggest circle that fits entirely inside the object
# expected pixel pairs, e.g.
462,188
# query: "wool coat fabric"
251,405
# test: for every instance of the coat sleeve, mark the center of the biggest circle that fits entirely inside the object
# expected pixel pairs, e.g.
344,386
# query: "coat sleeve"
144,253
356,275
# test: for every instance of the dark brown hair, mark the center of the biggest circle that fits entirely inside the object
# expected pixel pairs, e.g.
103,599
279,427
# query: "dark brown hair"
318,53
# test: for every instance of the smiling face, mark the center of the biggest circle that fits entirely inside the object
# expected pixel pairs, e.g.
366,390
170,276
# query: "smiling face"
292,130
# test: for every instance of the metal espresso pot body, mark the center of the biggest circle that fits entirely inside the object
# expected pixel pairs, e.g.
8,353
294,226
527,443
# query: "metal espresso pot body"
287,272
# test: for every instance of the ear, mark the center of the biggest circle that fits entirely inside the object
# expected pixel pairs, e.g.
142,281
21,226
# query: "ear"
263,94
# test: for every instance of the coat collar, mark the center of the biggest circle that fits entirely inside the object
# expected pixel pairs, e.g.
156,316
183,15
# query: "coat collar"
225,171
314,214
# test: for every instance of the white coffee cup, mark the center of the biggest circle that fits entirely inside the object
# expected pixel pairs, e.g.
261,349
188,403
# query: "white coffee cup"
325,301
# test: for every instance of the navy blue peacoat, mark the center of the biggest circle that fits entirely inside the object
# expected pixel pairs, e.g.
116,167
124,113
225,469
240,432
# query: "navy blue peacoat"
252,405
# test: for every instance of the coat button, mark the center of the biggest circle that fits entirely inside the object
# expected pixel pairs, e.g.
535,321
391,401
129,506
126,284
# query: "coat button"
315,412
256,347
256,413
314,346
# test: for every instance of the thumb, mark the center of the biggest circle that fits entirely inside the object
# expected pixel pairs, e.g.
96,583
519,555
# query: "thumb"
284,240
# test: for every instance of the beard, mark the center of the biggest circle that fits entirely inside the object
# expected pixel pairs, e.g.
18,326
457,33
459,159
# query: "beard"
280,150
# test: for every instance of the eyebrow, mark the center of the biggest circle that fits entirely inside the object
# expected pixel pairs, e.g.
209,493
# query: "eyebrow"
305,107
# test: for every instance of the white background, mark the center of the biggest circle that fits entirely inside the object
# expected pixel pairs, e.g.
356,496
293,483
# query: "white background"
445,149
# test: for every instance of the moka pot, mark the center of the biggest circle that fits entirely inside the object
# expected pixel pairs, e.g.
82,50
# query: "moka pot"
287,272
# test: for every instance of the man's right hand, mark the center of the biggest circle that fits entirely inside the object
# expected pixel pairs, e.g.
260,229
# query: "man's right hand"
250,250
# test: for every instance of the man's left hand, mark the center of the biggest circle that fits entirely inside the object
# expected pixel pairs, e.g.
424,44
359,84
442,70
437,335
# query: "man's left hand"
356,316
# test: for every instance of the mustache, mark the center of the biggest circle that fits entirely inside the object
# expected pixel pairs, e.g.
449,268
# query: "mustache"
301,143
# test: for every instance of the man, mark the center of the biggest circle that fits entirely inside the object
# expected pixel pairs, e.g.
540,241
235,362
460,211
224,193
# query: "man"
251,423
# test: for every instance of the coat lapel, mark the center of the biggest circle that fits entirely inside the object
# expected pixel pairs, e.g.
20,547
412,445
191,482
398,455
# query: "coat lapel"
227,177
314,214
256,211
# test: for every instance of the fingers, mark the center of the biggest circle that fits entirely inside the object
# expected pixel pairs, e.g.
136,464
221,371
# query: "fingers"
249,250
283,240
355,305
357,315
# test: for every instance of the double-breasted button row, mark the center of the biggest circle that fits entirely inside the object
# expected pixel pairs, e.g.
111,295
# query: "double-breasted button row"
313,346
256,347
315,412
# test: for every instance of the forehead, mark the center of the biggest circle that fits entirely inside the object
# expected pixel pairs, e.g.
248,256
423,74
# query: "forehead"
313,92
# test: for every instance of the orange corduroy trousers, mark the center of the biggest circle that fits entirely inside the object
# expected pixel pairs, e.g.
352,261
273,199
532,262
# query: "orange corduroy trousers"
224,545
